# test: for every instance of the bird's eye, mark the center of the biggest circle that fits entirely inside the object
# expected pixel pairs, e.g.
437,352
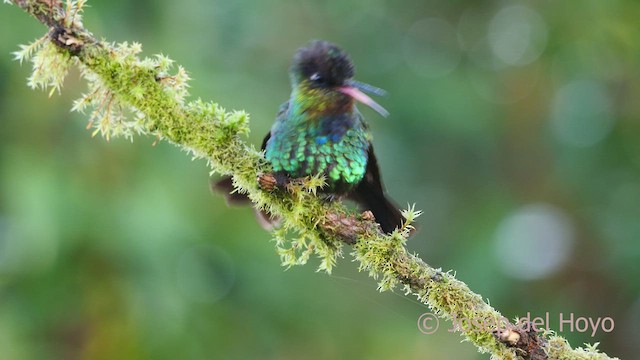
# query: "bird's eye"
315,77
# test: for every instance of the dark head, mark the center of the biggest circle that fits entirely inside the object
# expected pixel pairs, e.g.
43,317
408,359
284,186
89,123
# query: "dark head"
322,64
322,72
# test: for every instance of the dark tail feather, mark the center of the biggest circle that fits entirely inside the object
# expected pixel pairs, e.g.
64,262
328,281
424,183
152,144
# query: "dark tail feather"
226,188
372,198
369,196
266,220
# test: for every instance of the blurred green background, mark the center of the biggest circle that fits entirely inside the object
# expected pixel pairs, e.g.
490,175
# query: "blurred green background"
514,127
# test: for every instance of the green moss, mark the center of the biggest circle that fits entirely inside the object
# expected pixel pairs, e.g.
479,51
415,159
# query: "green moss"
130,96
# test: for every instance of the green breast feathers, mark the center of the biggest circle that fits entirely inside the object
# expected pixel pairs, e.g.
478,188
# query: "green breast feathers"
333,145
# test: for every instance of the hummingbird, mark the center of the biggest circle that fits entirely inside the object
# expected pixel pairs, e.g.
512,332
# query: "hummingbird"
319,130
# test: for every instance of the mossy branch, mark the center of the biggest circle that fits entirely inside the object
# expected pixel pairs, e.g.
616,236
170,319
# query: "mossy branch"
131,96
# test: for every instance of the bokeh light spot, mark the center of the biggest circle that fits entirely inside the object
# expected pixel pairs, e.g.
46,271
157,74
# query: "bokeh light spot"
517,35
534,241
581,115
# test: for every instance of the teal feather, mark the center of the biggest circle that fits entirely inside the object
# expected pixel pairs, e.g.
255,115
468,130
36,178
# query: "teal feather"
333,145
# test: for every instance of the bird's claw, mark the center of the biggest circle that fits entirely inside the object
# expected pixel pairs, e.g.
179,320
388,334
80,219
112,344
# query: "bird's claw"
267,182
330,197
368,216
273,181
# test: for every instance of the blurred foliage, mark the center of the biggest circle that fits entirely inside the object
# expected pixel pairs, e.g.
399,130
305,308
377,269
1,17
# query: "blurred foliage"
514,126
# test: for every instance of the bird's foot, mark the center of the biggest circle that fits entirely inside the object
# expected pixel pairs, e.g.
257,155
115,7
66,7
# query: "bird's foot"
368,216
272,181
331,197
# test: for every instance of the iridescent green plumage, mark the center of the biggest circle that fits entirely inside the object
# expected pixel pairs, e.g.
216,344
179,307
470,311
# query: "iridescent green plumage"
320,131
330,142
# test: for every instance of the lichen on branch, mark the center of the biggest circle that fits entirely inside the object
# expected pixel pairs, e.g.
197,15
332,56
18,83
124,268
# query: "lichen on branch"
128,96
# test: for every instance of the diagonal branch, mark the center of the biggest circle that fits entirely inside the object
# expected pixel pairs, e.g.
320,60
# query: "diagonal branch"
121,82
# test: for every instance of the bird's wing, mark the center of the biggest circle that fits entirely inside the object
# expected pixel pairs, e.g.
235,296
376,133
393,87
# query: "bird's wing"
264,141
369,194
372,173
